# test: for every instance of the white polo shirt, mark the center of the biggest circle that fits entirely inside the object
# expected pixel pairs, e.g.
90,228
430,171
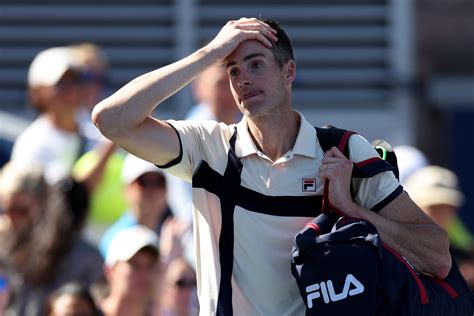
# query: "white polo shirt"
247,209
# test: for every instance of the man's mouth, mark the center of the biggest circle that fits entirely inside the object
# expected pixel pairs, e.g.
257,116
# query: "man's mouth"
249,95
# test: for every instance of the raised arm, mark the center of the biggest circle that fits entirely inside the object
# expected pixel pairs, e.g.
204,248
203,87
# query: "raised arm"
401,223
125,117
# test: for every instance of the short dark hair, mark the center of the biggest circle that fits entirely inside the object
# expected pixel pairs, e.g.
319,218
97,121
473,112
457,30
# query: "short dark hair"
282,49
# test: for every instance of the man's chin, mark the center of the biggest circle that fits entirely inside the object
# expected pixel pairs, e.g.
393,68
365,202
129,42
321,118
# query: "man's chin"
256,111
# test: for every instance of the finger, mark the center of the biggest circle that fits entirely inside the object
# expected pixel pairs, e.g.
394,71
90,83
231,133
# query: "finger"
271,29
336,152
262,30
266,31
333,153
271,34
324,170
253,24
333,160
323,174
257,35
265,40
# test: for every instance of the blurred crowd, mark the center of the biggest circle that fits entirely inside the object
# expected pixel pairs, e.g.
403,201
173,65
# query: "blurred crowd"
87,229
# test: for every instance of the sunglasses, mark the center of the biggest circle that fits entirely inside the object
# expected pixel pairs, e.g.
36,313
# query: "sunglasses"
66,84
183,283
150,182
93,77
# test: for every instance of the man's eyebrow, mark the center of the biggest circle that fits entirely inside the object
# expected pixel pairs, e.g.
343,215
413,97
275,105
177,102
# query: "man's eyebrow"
232,63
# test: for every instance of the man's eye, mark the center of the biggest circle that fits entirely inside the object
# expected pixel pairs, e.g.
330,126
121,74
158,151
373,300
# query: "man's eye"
233,72
257,65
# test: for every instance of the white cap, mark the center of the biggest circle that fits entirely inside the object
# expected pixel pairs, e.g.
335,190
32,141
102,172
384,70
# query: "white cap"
133,167
434,185
49,66
128,242
409,159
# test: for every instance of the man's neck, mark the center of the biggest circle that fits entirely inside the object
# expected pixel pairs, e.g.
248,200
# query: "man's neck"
277,136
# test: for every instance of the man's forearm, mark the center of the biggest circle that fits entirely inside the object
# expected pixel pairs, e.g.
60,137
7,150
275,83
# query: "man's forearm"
132,104
424,245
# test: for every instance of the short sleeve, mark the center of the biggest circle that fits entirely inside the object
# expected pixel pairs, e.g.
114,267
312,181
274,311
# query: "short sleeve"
378,190
200,141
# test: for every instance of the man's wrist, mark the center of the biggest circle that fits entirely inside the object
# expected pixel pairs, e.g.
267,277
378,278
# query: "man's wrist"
352,209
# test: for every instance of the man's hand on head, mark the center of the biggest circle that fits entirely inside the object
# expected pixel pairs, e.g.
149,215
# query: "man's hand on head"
237,31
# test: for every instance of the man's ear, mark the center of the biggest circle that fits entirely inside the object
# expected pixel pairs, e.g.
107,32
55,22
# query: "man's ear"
290,71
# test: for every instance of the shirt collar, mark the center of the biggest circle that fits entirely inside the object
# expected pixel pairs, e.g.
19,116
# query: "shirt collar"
305,144
306,141
244,146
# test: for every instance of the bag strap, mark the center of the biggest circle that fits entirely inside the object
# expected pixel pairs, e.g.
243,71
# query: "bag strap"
328,137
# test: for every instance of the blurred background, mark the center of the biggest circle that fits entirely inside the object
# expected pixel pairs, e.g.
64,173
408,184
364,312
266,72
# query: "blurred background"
401,70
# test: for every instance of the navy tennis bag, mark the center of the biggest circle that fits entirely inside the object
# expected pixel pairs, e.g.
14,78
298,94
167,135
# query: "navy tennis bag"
343,268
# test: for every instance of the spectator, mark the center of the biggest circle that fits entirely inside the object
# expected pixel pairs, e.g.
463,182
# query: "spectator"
94,66
101,164
71,299
132,271
409,160
40,232
215,101
178,294
436,190
91,62
107,201
145,192
53,139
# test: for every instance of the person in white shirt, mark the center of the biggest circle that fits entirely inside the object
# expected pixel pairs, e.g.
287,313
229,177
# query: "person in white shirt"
248,197
53,139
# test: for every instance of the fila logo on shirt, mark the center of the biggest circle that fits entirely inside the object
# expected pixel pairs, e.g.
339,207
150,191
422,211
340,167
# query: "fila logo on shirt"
309,185
326,289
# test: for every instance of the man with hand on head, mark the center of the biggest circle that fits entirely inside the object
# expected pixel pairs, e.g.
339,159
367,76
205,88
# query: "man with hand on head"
247,178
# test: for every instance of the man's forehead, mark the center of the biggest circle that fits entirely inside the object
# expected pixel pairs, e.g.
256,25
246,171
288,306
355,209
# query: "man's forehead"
245,58
246,51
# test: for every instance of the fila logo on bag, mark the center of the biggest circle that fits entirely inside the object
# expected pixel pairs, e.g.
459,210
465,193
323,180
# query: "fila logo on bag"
309,185
352,287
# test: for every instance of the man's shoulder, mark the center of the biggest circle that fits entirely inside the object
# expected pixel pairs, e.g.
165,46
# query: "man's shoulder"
360,148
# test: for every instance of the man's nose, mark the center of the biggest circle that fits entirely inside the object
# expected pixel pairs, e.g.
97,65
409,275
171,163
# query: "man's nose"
244,80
